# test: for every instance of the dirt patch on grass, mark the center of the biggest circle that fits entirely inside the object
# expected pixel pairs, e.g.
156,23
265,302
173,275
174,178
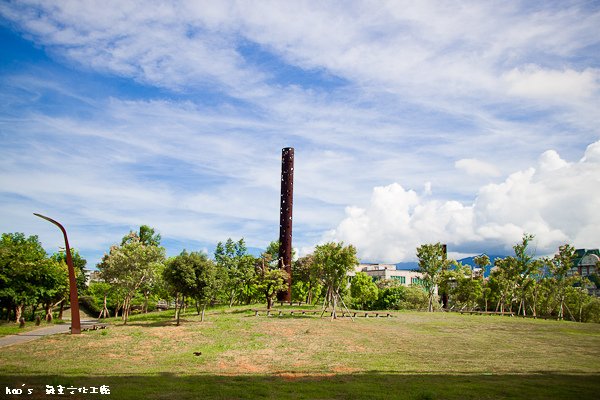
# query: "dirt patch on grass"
171,332
342,369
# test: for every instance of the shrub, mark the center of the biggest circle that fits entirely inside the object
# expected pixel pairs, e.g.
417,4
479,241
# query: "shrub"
88,303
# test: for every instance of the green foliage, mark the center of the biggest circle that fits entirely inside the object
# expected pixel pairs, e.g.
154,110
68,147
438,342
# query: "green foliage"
238,272
79,264
306,280
363,290
516,281
432,261
559,267
90,305
22,261
146,236
591,310
482,261
332,262
394,296
130,266
465,289
192,275
52,285
269,281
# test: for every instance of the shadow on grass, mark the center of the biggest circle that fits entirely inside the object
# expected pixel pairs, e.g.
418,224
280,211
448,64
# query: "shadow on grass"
341,386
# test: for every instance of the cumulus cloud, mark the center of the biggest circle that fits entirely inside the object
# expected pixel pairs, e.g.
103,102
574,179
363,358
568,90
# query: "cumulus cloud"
556,201
368,95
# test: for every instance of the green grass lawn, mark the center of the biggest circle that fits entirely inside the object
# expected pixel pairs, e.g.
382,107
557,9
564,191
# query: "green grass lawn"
413,356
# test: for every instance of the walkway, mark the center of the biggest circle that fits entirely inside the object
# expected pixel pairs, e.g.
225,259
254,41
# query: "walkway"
38,333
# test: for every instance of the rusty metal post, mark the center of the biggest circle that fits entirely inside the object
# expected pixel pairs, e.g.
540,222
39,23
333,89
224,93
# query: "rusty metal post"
285,219
75,318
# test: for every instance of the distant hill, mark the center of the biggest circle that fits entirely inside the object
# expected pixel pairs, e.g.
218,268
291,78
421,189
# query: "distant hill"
470,261
411,265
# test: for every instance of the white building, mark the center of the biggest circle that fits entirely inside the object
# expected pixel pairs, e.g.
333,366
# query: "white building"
389,271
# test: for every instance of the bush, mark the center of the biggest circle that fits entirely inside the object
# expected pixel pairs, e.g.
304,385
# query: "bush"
401,298
88,303
591,311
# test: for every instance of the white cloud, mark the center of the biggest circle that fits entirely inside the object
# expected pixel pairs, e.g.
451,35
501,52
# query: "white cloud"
417,85
550,161
557,201
535,82
473,166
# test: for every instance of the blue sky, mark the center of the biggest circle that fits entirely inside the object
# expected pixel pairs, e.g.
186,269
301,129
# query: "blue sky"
463,122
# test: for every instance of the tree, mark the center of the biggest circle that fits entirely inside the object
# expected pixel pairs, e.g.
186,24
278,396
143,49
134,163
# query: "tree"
334,261
363,289
306,279
129,266
432,261
53,285
206,284
232,257
466,288
502,281
20,260
193,275
270,279
482,262
146,235
527,270
79,264
180,276
101,293
559,266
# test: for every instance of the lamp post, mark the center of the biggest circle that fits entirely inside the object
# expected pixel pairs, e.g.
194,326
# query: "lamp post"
75,319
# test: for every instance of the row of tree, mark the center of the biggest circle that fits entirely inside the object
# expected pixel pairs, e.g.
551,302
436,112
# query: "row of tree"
136,275
32,280
138,267
521,284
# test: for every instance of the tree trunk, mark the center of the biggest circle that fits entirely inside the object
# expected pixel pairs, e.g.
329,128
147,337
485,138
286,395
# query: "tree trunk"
61,310
146,295
561,310
231,298
269,302
48,309
105,313
430,305
18,312
180,305
203,309
126,309
33,310
333,314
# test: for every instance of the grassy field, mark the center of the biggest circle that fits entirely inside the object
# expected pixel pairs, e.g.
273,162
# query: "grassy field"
413,356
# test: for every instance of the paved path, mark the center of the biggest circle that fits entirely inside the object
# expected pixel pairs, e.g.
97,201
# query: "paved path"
38,333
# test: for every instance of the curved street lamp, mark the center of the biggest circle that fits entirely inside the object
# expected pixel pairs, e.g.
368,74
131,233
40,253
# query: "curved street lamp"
75,319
